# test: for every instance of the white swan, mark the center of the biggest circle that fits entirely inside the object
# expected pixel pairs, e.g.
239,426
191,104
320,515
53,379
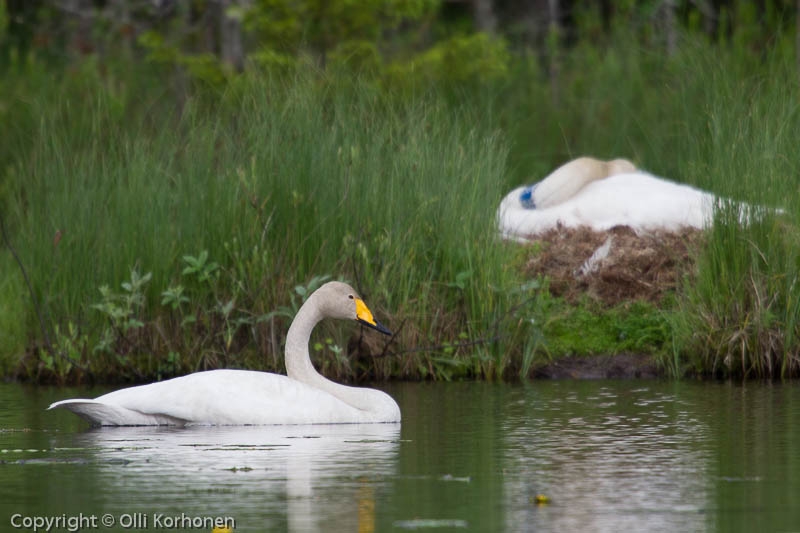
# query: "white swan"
240,397
600,195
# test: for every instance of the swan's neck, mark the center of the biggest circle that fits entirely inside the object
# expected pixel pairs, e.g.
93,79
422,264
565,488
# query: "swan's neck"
298,362
299,367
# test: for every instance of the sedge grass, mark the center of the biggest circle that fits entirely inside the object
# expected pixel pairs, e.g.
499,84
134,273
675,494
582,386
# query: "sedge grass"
739,315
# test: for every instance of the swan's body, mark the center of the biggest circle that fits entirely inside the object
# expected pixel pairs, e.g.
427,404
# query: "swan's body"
601,195
240,397
639,200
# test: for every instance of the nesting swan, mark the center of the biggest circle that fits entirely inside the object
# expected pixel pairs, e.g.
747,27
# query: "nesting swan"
239,397
600,195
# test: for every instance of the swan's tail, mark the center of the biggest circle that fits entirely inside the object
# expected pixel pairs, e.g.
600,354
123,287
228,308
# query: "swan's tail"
104,414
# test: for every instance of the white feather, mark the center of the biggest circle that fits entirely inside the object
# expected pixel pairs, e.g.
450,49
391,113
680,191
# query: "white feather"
598,256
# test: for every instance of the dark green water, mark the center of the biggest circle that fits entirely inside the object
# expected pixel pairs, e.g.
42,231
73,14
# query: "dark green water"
610,455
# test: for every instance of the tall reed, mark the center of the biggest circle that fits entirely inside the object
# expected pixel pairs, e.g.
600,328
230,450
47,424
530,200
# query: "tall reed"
739,314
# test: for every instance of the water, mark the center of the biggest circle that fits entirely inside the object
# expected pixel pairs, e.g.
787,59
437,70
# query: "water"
609,455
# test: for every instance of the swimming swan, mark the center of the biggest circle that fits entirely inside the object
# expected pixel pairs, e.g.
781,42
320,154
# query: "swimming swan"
240,397
601,195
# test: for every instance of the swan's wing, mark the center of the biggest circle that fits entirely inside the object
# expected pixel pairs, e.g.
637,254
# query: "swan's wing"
643,202
221,397
103,414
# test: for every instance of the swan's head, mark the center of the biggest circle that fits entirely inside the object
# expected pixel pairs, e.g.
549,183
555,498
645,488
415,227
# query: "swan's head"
340,300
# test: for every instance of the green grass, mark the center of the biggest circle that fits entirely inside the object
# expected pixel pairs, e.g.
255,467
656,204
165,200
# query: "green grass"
276,182
587,329
205,216
739,316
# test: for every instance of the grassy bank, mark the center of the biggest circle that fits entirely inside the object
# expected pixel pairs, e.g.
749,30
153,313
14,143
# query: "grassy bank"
166,231
185,239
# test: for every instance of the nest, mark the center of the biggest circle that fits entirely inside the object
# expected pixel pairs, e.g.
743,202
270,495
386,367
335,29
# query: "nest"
614,266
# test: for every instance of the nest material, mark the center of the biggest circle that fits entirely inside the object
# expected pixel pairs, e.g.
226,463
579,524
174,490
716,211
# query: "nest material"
614,266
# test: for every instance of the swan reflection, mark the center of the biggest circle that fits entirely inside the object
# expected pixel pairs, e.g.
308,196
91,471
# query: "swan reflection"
306,476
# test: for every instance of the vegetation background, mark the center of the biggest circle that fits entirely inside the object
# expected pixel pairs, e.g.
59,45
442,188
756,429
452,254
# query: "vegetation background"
176,177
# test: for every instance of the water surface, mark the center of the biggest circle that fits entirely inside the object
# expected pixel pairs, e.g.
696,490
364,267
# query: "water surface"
609,455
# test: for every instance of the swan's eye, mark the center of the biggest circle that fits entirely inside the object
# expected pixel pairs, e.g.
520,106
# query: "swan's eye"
350,296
